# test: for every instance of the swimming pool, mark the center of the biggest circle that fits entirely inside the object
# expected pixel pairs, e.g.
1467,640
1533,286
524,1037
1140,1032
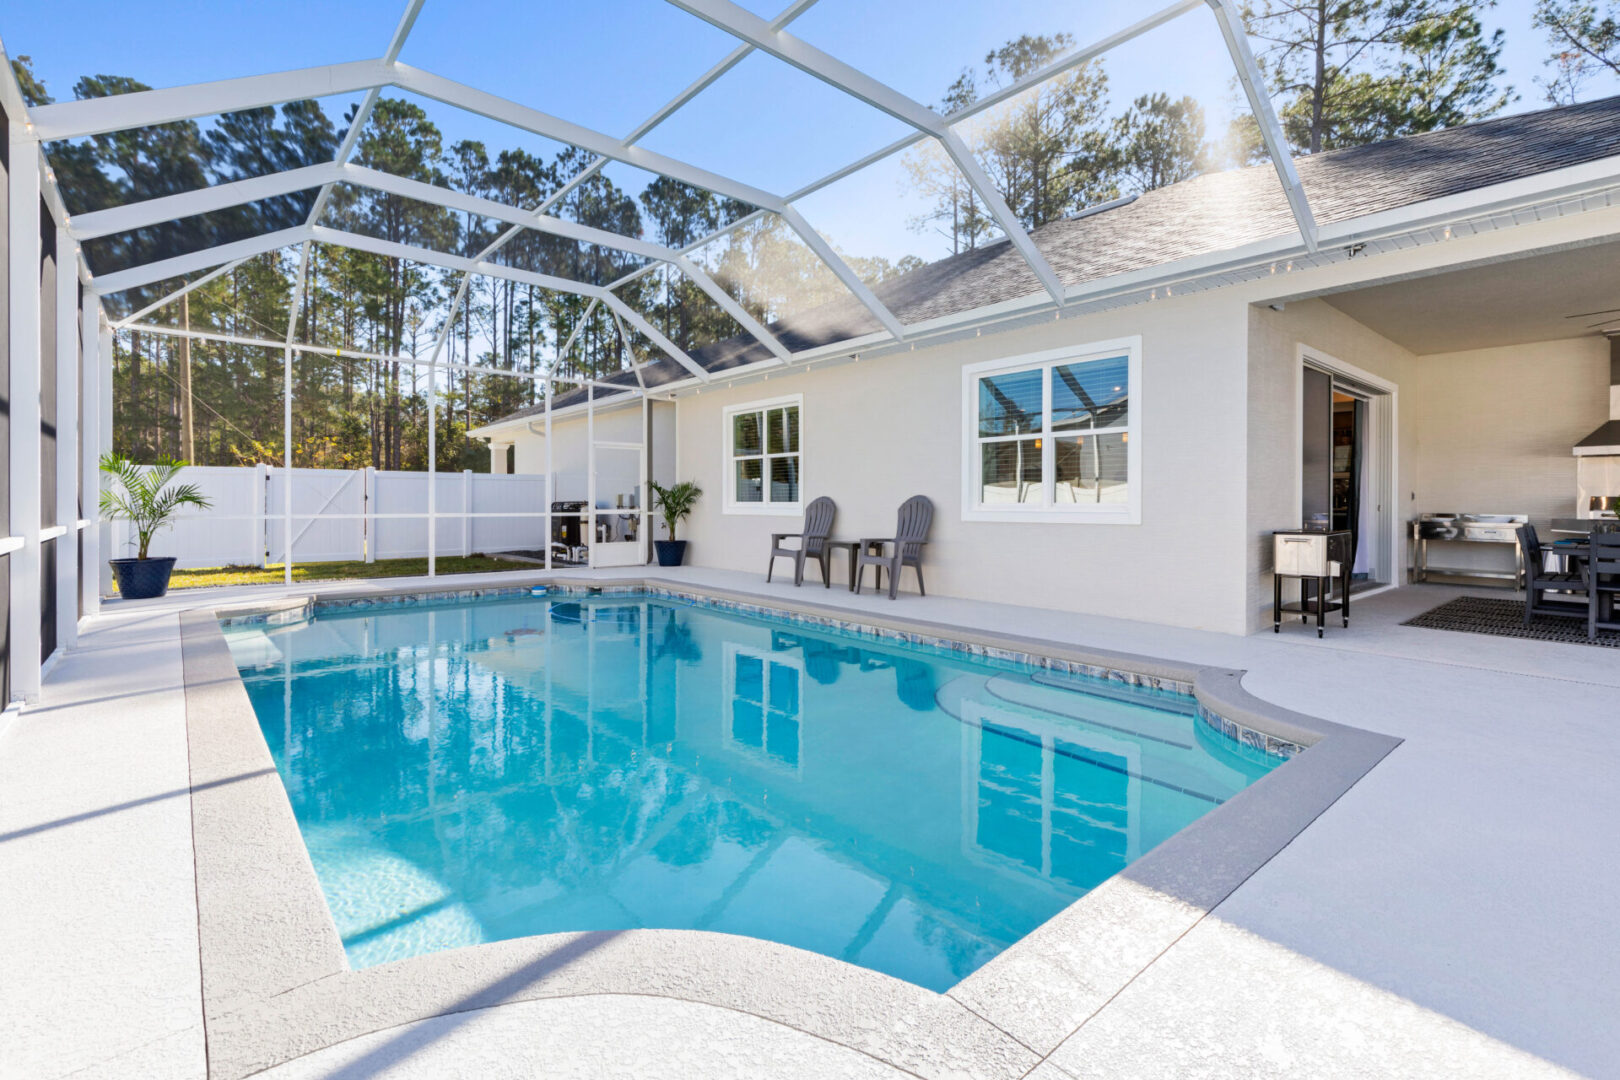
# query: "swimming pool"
483,771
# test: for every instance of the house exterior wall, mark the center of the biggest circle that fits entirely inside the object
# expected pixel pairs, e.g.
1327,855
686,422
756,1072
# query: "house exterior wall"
878,431
1219,423
1275,341
617,469
1495,426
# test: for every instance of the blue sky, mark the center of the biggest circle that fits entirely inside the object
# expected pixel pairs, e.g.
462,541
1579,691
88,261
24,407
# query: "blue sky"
609,63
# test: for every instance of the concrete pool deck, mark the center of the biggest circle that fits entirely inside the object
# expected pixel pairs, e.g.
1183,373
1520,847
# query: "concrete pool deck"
1446,916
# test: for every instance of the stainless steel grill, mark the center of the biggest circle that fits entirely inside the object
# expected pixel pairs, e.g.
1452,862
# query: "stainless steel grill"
1468,528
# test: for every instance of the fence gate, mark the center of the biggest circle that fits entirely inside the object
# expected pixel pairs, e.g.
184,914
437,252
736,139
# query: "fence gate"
328,518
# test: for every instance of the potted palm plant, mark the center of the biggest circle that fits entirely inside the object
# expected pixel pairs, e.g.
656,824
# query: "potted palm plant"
674,503
145,498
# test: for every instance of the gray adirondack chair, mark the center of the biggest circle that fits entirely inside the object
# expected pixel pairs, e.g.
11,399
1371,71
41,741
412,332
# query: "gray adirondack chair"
904,548
818,523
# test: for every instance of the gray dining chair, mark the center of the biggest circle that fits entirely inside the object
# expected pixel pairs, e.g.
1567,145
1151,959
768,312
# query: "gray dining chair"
1539,581
818,523
1602,572
904,548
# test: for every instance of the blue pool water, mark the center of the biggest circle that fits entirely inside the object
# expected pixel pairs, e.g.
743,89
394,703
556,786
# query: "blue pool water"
470,773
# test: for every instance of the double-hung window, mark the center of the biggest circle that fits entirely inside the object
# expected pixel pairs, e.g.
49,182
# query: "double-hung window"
764,460
1052,436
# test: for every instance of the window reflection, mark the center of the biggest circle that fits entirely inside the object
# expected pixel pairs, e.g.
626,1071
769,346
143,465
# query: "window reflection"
1091,469
764,705
1065,810
1011,471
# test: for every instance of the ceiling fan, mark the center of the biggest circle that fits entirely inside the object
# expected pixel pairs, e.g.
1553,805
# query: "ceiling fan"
1601,323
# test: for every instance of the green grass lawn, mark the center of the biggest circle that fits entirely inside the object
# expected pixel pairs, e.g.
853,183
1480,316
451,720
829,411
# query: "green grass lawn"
338,571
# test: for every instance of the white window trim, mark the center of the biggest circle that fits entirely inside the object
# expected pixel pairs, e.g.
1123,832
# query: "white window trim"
1127,513
729,470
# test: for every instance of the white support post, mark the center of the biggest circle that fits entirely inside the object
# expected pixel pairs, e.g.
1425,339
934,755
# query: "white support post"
104,417
261,511
91,360
590,475
368,522
67,439
433,467
466,511
25,519
286,414
551,478
643,492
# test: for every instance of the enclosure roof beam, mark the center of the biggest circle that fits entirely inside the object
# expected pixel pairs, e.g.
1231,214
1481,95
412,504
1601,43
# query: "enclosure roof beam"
119,112
745,25
1063,63
357,354
793,11
140,215
181,265
839,267
1248,73
475,204
1066,62
362,115
652,333
731,307
488,269
178,293
539,123
740,223
390,249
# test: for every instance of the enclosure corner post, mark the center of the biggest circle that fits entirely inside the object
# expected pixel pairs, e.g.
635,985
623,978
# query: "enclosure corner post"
68,512
23,289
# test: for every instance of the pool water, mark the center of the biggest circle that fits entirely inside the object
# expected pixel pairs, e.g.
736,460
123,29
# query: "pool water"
471,773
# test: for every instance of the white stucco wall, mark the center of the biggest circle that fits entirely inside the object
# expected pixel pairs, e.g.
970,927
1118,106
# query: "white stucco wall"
878,431
1275,339
618,470
1218,425
1495,426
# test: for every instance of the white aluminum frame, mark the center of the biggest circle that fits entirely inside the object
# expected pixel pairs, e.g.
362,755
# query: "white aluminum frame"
1128,512
67,439
90,374
728,464
25,340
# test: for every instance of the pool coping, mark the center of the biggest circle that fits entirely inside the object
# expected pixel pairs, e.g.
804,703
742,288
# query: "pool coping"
277,986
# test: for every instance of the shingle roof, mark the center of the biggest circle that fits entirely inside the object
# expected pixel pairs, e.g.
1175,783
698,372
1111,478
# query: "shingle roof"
1214,212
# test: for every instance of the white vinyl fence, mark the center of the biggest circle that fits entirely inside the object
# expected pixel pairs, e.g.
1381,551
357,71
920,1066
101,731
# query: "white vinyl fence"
347,515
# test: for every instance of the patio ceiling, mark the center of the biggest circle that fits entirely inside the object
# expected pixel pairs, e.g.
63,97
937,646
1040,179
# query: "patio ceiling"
752,36
1546,297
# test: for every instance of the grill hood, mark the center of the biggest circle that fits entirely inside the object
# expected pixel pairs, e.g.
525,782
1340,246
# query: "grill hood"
1606,439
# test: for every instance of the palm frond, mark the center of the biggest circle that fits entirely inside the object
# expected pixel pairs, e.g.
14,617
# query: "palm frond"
143,495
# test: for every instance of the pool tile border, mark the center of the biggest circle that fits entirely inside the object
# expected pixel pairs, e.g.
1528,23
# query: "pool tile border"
998,1022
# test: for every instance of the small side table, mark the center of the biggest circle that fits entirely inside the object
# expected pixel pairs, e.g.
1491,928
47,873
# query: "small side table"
854,549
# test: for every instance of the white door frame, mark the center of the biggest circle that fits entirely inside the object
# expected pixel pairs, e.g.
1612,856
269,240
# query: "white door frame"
1383,447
